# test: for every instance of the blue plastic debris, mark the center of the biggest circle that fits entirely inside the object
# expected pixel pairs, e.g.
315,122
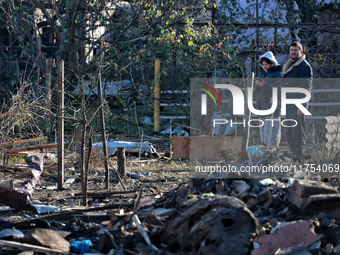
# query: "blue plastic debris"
255,150
81,247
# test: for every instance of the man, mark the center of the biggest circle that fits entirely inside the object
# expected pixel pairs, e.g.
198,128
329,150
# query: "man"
297,72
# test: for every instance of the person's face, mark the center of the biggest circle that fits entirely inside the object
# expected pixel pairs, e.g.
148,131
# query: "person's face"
265,65
295,53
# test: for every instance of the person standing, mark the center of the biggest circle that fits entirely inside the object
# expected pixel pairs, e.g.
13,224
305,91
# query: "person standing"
269,77
297,72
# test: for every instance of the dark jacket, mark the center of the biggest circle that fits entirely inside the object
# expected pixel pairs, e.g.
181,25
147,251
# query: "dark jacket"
297,74
265,93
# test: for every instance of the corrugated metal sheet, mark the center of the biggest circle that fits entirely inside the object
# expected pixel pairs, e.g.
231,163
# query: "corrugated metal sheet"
333,132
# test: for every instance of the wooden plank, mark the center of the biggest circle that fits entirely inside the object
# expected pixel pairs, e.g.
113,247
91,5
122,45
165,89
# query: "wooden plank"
32,140
13,168
109,193
28,247
65,215
15,154
36,147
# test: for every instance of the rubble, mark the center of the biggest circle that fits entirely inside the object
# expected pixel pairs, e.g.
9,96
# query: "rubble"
285,236
220,225
169,212
329,204
48,238
302,190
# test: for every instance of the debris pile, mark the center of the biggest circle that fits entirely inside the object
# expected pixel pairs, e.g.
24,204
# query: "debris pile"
201,216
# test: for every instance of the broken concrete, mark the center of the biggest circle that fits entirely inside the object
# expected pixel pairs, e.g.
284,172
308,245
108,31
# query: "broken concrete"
48,238
302,189
328,204
285,236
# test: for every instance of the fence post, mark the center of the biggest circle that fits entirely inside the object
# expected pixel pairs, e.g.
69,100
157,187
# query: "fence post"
102,125
121,161
245,140
60,128
157,94
49,93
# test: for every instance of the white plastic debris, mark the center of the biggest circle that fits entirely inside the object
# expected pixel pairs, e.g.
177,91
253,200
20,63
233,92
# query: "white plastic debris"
15,233
133,146
46,208
267,182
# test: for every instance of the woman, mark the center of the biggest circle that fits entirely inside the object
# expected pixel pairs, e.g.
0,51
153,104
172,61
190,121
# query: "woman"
270,132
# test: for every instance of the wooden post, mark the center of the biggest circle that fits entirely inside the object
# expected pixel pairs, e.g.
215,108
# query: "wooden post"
11,184
170,138
49,93
60,128
86,170
121,161
38,38
157,94
102,124
245,141
249,113
83,147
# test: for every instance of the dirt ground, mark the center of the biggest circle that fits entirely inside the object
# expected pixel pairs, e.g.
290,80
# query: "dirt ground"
153,176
